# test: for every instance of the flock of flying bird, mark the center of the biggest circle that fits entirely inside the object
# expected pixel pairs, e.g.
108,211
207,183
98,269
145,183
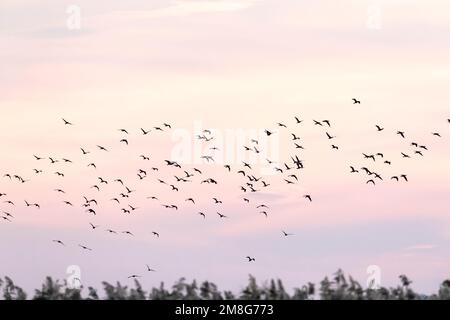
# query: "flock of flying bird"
251,183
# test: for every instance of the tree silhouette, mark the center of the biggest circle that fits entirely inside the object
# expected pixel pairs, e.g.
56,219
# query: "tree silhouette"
338,287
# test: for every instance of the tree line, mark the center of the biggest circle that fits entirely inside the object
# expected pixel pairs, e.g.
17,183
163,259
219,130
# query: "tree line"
337,287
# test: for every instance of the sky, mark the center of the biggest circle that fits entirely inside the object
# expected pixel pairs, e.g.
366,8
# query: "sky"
235,67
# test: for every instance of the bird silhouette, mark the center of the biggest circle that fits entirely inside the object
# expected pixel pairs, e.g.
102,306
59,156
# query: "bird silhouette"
93,226
150,269
67,123
221,215
353,170
355,101
437,134
59,242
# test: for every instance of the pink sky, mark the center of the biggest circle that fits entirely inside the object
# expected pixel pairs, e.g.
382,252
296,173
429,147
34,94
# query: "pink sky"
231,66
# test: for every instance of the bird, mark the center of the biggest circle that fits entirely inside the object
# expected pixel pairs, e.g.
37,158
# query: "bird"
404,177
247,165
102,148
124,141
317,123
405,155
93,226
155,234
5,218
250,259
67,123
437,134
297,120
59,242
401,133
379,128
327,122
221,215
329,136
353,170
84,247
202,214
369,156
286,234
150,269
370,181
144,132
268,133
124,131
334,147
355,101
190,199
307,196
134,276
84,151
